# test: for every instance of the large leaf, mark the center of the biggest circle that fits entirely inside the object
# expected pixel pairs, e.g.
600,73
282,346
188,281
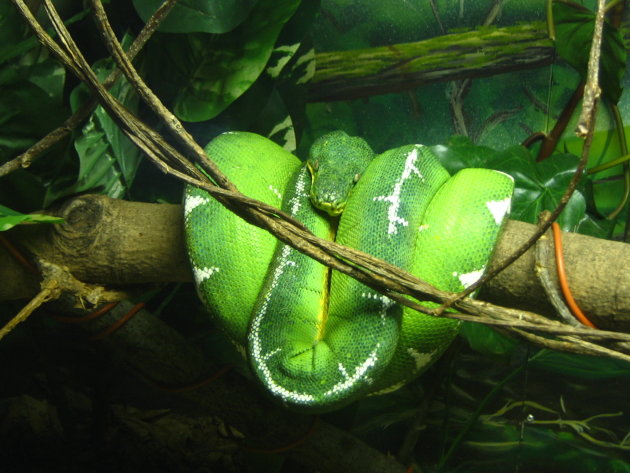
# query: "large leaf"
31,86
291,66
207,73
198,16
273,106
27,112
460,153
15,39
574,30
581,366
12,29
539,186
486,340
108,160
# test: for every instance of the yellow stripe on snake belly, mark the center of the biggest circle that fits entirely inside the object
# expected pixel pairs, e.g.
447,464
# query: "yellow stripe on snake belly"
405,209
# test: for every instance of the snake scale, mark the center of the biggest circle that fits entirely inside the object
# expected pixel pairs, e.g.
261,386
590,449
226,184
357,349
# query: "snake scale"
316,340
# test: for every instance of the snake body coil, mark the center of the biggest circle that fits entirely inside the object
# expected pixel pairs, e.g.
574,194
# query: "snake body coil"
319,341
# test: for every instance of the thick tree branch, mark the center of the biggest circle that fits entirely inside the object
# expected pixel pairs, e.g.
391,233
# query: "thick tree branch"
117,242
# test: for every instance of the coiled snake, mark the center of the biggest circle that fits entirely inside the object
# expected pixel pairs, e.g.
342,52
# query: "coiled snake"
319,341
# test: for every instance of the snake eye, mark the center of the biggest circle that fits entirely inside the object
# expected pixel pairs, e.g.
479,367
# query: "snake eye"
357,176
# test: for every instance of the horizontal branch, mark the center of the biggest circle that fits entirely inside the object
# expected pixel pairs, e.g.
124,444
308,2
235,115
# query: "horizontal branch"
116,242
487,51
484,52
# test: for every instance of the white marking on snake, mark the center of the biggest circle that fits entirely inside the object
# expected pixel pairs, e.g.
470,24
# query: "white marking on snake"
256,337
468,279
349,380
499,208
423,227
277,273
300,186
271,353
262,359
275,191
394,199
471,278
359,372
192,202
201,274
420,359
505,174
386,302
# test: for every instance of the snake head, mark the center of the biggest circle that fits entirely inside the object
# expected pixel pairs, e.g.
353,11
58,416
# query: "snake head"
336,162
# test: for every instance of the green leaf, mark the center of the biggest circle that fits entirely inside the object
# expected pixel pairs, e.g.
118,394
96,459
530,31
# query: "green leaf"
31,86
285,52
581,366
198,16
290,68
12,29
108,160
10,218
207,73
599,228
486,340
15,39
574,34
27,112
276,123
460,153
539,186
606,187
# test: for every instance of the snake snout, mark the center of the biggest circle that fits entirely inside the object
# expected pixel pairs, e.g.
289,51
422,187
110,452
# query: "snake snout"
330,202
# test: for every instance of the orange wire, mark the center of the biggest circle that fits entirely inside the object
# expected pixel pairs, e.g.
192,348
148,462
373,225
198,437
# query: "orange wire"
562,278
119,323
17,254
102,310
125,318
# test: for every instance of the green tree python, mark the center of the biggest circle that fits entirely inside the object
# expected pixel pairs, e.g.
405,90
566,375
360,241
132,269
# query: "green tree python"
317,340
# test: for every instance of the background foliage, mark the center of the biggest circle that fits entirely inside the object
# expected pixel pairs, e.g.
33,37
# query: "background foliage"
493,403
